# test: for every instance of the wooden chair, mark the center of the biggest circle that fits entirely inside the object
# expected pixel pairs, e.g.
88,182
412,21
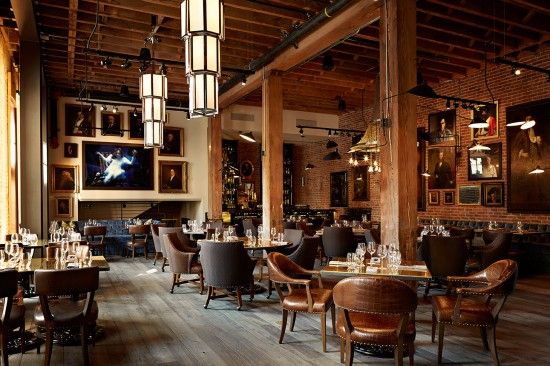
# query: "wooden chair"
139,235
95,236
477,303
375,312
13,315
301,297
66,312
226,265
183,260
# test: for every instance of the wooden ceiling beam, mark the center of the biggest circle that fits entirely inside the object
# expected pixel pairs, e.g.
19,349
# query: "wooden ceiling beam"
343,24
73,12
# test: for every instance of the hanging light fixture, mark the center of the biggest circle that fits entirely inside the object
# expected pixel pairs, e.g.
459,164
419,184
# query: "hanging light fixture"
202,28
537,170
478,122
248,136
153,91
476,146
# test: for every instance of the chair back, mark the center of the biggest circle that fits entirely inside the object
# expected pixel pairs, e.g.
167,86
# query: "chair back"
179,263
162,232
490,235
248,224
338,241
95,231
502,276
306,252
294,236
444,256
67,281
139,232
374,295
281,268
8,279
216,224
497,249
225,264
289,225
155,235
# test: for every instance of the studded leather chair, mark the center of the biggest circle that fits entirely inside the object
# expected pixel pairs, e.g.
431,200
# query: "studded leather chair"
182,261
55,312
338,241
376,312
139,235
226,265
301,298
496,250
477,303
95,236
12,315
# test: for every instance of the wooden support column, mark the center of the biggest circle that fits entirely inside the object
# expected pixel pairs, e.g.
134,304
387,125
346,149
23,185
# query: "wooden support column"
272,151
215,184
398,193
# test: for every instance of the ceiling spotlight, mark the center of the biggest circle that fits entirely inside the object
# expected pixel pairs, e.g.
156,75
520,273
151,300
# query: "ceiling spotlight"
448,104
301,132
106,62
135,113
464,105
328,62
243,80
331,144
163,69
309,166
456,104
126,64
115,109
103,108
516,71
145,54
342,105
329,132
335,133
247,136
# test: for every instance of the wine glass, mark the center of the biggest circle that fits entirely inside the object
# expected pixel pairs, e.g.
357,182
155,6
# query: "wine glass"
230,231
382,252
371,248
273,233
216,233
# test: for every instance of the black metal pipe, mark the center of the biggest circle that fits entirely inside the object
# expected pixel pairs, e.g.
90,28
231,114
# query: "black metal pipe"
291,40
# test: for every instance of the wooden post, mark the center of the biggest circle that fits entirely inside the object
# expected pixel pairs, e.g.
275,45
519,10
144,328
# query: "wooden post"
398,193
272,151
215,167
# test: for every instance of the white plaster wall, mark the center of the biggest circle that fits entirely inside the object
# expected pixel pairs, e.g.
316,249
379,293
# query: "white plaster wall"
195,153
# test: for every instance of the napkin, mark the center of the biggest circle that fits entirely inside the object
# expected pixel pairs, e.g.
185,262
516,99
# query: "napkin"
337,263
371,269
418,267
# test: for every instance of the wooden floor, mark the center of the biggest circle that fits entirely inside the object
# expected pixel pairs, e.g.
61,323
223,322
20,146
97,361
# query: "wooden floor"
146,325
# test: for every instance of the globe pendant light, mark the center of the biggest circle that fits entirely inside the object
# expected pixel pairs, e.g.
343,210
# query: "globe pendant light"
153,91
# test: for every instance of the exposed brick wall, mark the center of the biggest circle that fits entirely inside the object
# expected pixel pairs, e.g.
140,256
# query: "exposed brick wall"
507,89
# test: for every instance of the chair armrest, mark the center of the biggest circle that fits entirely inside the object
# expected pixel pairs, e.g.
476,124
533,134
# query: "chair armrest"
183,258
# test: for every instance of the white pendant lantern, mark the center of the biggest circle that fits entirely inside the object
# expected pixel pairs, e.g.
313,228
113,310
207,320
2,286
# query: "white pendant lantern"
153,91
202,28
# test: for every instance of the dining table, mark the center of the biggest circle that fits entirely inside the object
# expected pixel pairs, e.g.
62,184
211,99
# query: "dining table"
28,247
414,271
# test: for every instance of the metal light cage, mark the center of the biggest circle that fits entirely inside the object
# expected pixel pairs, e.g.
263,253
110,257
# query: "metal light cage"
203,94
153,91
202,16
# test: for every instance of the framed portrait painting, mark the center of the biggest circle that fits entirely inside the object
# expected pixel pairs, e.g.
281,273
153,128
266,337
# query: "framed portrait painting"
485,164
360,178
117,166
135,125
64,207
173,177
79,120
64,178
449,198
173,142
111,124
339,189
70,150
492,194
442,127
433,198
488,114
442,168
527,149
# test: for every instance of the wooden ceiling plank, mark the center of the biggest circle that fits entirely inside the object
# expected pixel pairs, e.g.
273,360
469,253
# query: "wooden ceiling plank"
73,13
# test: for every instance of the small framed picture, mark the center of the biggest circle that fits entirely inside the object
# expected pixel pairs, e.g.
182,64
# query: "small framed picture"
79,120
111,124
493,194
469,195
70,150
173,142
64,178
441,126
433,198
64,207
449,198
173,177
136,125
488,114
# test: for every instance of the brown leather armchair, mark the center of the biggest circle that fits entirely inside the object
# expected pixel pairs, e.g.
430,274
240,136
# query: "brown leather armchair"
496,250
139,235
156,241
12,315
477,303
226,265
65,312
182,261
95,236
301,297
338,241
375,311
444,256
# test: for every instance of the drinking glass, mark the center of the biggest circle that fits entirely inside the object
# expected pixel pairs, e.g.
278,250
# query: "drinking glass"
382,253
260,231
207,227
225,235
520,226
273,233
14,238
350,259
184,227
371,248
216,234
230,231
2,257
